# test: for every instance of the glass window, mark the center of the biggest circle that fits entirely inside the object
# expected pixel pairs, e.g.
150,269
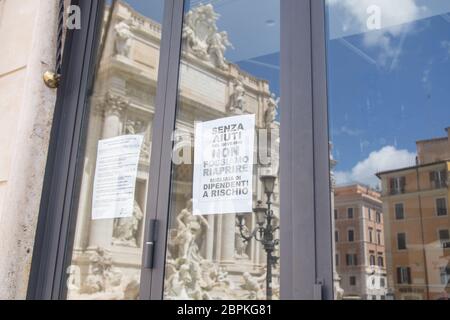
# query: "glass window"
445,275
438,179
225,198
350,213
336,236
379,237
378,217
380,261
372,260
388,71
370,235
399,211
106,249
444,235
401,241
352,281
404,275
397,185
351,235
351,259
441,207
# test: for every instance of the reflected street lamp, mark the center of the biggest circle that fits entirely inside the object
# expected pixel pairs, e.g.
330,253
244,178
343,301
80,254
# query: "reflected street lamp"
264,231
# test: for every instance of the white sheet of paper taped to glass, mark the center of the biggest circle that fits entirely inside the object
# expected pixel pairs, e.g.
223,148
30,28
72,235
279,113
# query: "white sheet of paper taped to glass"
223,166
115,177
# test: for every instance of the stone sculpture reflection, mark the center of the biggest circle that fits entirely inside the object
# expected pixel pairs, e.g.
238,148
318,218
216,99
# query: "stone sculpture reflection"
190,276
253,285
240,244
123,38
271,112
237,98
126,230
201,37
189,229
218,43
104,280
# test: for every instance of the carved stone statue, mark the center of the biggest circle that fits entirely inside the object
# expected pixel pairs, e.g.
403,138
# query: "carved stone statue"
253,286
201,37
134,127
176,288
189,229
114,105
126,230
123,37
271,112
240,244
237,99
218,43
103,277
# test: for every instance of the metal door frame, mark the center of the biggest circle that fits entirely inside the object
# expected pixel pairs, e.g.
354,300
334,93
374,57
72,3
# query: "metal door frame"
306,248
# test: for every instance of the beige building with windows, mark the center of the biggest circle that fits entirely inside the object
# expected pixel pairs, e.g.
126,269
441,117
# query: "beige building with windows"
359,237
417,223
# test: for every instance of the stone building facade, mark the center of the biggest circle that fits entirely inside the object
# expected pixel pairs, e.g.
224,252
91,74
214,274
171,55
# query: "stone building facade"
415,202
359,242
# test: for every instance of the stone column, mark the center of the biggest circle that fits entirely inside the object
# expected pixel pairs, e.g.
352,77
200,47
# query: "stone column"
228,234
102,230
209,247
218,238
85,202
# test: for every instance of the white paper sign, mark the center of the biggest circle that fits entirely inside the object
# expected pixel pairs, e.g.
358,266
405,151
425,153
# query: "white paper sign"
115,177
223,165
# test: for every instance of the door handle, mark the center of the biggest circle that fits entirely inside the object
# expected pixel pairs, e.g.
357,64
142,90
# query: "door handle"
150,244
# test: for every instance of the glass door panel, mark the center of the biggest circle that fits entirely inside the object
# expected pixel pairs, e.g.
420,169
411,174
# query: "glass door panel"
224,208
106,248
388,78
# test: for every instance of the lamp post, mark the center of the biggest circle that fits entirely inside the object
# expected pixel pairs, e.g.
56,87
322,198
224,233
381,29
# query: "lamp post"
265,230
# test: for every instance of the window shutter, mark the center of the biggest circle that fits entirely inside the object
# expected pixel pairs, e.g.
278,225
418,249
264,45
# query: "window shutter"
408,271
392,184
399,275
402,183
432,176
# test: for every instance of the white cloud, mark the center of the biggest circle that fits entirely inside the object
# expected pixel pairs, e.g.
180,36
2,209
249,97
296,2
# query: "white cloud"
395,18
387,158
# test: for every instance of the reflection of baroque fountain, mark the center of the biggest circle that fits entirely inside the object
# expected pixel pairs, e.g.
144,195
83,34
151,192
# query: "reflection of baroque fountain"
190,276
104,280
202,38
207,257
126,230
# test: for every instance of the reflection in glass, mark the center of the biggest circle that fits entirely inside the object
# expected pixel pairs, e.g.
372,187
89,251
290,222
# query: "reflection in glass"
229,67
106,253
388,74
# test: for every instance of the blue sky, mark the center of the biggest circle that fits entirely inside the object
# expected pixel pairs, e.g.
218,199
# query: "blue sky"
385,96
